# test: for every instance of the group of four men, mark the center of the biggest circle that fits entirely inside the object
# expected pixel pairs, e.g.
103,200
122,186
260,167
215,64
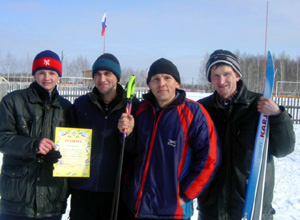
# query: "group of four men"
178,149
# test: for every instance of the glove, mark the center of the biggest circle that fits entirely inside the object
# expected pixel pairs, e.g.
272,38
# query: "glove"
52,157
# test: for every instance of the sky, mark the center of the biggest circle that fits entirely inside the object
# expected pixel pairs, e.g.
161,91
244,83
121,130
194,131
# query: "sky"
141,31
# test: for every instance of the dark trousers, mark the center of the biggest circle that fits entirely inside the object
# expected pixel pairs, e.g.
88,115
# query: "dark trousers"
13,217
87,205
126,214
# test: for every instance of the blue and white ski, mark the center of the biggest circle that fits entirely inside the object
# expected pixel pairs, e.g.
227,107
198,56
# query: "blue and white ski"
253,203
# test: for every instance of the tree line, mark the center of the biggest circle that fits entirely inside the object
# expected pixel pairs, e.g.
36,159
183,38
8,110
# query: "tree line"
252,67
287,77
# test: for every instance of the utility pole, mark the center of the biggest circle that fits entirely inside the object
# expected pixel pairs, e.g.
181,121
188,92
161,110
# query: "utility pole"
62,61
62,56
8,70
297,73
193,89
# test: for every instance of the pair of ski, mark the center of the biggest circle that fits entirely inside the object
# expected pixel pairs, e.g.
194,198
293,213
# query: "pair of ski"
255,190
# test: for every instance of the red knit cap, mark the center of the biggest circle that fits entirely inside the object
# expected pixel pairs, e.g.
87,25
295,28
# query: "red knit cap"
47,60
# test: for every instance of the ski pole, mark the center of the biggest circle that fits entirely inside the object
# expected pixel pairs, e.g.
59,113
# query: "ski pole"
130,90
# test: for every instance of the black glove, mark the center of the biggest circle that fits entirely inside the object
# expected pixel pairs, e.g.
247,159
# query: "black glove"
52,157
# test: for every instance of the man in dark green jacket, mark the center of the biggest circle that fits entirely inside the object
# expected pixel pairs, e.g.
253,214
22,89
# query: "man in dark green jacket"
27,129
235,111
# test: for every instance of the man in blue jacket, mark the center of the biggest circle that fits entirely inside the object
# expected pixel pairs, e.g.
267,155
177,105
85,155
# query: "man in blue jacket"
176,150
235,111
99,110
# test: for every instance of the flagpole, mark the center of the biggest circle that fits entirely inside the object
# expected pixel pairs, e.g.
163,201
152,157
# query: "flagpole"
104,44
266,38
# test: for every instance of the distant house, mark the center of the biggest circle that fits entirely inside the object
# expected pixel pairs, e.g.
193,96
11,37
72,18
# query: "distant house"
87,73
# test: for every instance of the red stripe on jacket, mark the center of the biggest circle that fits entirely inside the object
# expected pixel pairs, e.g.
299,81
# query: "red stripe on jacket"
185,117
196,187
142,108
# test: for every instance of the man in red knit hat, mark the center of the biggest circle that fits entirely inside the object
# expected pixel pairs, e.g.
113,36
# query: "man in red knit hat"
27,125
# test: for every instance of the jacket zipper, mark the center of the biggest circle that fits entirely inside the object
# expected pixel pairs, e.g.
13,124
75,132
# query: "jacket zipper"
140,193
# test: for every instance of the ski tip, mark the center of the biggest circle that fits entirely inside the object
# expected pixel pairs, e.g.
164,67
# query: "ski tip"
269,54
270,61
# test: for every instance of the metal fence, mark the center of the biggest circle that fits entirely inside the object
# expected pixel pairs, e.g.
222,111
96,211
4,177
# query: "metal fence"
292,105
68,91
72,91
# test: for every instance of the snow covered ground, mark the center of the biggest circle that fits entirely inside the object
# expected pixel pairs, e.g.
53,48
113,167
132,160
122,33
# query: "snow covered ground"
287,191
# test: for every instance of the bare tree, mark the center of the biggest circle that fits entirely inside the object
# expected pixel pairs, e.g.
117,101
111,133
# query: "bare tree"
26,69
140,76
252,67
202,78
76,66
9,65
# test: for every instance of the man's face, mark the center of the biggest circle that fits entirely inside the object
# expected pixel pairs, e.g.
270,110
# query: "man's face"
106,82
224,80
47,79
163,86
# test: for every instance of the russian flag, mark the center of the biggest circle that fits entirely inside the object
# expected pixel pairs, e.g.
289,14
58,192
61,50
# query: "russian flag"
103,24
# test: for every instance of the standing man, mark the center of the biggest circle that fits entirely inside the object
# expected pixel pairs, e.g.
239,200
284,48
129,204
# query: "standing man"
27,129
235,111
99,110
175,146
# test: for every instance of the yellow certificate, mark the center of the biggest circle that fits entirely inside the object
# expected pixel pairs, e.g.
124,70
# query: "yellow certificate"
74,145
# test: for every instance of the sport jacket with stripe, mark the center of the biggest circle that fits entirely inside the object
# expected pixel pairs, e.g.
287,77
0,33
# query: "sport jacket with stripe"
177,155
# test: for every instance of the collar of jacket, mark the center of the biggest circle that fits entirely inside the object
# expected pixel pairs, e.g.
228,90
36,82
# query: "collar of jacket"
241,97
177,101
118,102
37,94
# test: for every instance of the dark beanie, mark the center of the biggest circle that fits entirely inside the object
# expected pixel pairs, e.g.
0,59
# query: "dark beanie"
222,56
47,59
163,65
108,62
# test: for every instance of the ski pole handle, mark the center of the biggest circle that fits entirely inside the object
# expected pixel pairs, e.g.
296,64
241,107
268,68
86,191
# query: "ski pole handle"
130,89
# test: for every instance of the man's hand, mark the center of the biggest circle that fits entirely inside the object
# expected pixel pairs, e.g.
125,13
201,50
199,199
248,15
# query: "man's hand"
126,122
52,157
45,146
268,106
